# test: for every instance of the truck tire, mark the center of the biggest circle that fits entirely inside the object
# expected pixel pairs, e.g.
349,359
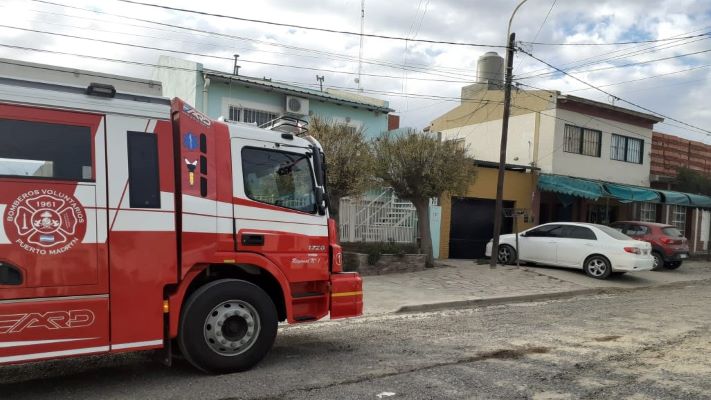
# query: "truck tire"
227,325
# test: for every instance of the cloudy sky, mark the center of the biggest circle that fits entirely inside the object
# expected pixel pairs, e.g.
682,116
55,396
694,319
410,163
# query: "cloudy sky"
421,80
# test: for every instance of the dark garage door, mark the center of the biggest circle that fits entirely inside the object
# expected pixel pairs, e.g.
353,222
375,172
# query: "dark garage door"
472,226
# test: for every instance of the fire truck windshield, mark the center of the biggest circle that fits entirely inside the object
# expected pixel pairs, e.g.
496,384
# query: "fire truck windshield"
279,178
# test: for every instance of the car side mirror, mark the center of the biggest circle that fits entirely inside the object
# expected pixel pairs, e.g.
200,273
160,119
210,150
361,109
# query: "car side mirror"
522,234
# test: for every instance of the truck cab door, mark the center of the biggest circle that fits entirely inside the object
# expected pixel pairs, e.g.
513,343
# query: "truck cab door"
275,208
53,266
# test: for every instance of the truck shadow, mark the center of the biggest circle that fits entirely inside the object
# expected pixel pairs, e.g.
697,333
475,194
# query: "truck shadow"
141,375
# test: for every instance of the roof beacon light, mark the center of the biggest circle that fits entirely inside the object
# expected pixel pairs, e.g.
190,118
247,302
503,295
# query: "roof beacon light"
100,90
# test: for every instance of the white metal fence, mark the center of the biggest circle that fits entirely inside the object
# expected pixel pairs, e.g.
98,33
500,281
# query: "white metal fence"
377,218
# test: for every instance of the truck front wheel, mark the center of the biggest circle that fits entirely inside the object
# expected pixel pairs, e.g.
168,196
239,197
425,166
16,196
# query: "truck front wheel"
227,325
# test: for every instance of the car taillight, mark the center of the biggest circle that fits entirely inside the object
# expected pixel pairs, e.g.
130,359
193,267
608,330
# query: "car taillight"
633,250
666,240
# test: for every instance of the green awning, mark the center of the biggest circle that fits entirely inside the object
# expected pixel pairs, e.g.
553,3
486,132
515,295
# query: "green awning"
571,186
678,198
698,200
628,194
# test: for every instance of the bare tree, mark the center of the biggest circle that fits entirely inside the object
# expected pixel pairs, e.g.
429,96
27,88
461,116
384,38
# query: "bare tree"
418,167
349,166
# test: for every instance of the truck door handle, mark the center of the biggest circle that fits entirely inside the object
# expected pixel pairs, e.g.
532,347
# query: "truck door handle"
253,240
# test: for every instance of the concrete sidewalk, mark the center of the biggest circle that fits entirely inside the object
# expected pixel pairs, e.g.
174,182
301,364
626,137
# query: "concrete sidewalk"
458,283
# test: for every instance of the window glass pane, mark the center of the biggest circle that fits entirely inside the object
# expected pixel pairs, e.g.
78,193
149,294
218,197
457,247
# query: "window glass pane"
234,113
678,216
571,139
591,142
257,117
673,232
617,148
279,178
143,174
613,233
648,212
634,150
44,150
578,232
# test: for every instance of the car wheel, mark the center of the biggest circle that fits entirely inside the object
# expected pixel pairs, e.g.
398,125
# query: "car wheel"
672,265
658,261
507,254
597,267
227,325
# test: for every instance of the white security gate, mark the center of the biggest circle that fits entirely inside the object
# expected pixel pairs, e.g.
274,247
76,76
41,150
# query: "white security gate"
377,218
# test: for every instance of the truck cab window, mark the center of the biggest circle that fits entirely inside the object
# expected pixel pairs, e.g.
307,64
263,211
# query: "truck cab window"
279,178
35,150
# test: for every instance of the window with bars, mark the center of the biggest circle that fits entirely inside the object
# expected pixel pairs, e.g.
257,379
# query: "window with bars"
648,212
678,217
623,148
250,115
583,141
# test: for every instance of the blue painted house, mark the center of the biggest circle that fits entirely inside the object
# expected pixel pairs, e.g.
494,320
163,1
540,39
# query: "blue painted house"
255,100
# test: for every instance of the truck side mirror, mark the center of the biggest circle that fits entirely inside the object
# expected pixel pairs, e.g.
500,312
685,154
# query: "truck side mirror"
320,201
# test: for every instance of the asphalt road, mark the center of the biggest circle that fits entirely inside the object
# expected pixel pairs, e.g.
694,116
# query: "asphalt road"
643,344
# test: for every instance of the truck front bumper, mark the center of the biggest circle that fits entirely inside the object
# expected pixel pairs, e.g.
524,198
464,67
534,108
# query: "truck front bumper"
346,295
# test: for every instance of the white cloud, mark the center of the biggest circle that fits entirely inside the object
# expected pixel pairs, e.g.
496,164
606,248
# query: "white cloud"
681,95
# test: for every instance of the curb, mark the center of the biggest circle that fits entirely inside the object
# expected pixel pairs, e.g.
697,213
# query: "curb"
460,304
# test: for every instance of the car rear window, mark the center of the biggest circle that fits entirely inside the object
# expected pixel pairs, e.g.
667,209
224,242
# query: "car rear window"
614,233
671,231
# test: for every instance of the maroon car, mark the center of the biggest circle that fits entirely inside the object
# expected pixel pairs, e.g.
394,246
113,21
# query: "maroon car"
669,246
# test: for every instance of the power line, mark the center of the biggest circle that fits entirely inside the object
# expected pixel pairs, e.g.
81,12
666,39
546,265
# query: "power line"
625,52
616,66
235,37
615,43
645,78
209,14
202,55
614,96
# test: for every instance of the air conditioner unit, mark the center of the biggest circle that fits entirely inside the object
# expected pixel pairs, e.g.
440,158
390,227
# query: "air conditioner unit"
297,105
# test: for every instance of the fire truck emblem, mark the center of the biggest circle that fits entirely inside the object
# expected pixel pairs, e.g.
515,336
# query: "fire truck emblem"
45,221
191,165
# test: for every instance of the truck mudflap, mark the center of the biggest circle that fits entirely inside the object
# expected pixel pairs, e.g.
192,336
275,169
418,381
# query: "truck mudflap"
346,295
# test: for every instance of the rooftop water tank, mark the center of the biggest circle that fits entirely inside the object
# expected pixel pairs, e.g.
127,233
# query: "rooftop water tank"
490,69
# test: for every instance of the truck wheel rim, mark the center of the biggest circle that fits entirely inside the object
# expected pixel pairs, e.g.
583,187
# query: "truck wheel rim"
597,267
232,327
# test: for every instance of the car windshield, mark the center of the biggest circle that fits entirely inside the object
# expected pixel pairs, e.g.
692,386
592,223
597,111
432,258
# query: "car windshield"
613,233
671,231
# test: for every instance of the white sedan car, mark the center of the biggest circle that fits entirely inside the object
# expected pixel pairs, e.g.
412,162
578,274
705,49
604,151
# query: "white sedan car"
599,250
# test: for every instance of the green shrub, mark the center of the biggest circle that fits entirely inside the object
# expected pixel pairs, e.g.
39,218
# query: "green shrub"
376,249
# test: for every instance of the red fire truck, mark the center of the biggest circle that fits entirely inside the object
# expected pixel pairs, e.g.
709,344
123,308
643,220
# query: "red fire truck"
132,222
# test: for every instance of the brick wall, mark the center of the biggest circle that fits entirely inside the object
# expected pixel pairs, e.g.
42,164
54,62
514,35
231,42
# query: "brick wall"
671,152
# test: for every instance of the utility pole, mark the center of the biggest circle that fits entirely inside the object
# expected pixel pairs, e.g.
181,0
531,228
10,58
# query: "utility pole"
502,152
320,80
511,37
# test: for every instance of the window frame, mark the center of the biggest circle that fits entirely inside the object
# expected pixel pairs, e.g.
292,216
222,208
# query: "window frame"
311,174
580,147
645,213
675,212
132,175
240,111
88,140
626,148
568,234
545,229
